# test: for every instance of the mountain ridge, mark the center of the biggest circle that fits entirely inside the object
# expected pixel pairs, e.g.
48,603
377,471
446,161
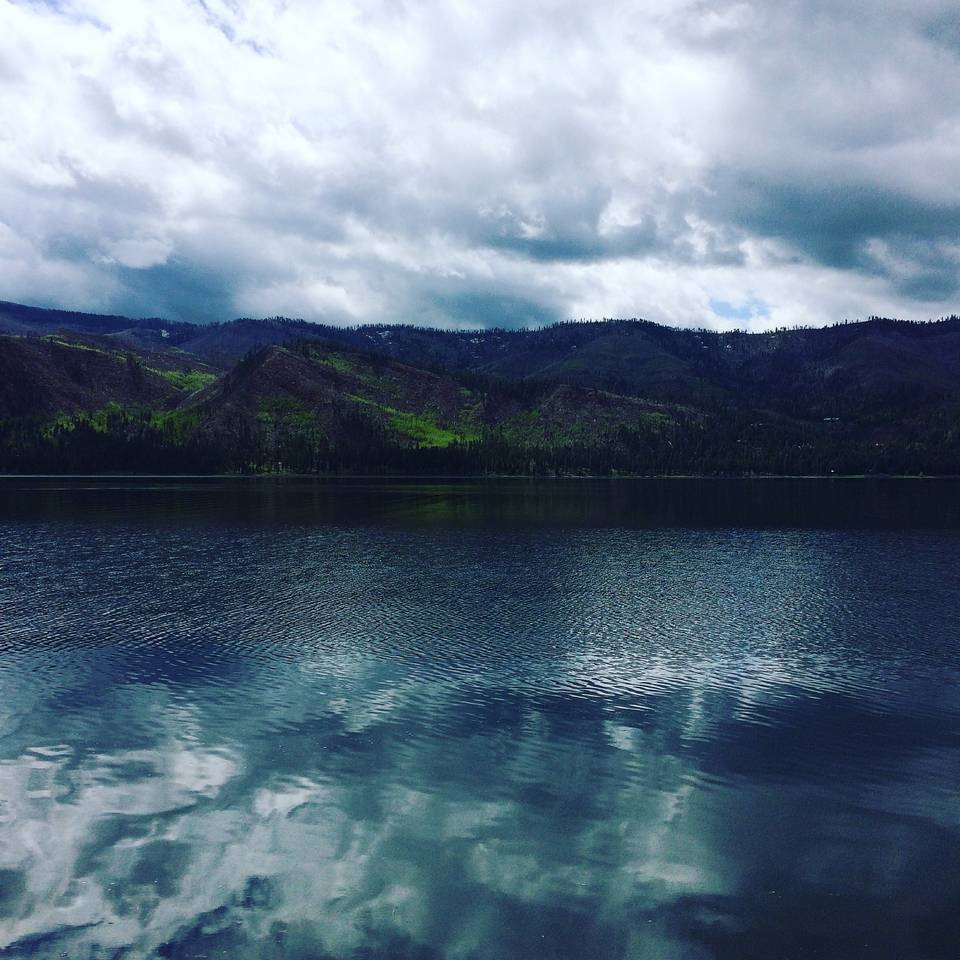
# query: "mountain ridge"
614,396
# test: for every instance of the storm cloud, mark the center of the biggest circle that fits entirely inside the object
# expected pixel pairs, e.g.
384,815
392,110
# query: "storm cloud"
720,164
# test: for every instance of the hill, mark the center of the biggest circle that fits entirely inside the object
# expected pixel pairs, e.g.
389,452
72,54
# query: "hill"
88,392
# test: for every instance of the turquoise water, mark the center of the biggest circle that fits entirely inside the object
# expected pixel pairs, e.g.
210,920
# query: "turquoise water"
674,719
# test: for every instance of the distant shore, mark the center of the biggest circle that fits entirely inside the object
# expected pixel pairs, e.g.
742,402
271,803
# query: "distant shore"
474,478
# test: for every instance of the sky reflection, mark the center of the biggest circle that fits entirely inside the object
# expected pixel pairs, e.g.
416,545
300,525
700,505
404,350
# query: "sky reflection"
369,742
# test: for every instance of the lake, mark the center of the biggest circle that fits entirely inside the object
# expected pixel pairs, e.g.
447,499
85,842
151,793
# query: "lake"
501,720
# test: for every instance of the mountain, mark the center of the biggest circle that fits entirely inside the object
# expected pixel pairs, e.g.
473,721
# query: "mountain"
92,393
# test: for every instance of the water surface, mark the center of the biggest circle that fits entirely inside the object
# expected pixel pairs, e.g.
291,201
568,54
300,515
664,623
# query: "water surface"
655,719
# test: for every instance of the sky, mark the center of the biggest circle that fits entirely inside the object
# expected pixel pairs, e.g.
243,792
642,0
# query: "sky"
721,164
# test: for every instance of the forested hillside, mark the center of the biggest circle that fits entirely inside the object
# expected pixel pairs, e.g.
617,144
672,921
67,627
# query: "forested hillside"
89,393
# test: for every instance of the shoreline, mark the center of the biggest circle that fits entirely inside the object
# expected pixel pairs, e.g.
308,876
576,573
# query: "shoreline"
473,478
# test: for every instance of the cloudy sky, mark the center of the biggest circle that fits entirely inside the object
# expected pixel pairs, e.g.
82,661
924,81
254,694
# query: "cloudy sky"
716,163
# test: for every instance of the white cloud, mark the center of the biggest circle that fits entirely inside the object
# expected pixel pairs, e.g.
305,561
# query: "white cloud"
379,160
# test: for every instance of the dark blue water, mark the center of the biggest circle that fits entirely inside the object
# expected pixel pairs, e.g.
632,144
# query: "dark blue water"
488,721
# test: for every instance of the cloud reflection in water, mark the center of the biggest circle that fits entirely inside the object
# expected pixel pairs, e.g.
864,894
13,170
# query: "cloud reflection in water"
346,742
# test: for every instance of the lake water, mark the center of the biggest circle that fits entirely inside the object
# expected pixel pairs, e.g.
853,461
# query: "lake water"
495,721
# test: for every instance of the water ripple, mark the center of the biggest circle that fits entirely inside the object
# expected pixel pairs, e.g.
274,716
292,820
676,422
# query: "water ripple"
418,739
